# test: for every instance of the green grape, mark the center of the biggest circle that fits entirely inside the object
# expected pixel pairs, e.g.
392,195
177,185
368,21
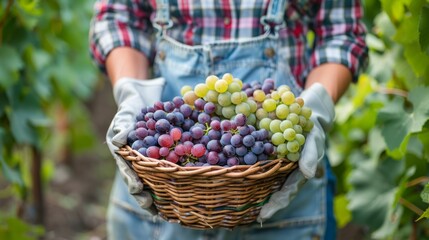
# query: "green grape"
293,156
190,97
306,112
275,95
277,138
300,101
259,95
292,146
293,117
275,126
289,134
228,78
295,108
269,105
302,121
265,124
228,112
285,125
224,99
282,111
234,87
221,86
243,96
300,138
218,110
297,128
282,89
212,96
252,104
236,98
282,149
251,119
288,97
211,81
185,89
272,115
308,126
243,108
261,113
240,83
201,90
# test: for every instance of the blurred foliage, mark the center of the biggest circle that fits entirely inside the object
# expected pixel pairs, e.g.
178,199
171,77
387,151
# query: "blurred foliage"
46,74
380,143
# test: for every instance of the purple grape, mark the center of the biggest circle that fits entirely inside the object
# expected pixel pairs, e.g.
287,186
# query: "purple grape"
204,140
250,158
137,144
186,110
171,117
240,119
131,137
222,159
150,109
140,124
244,130
269,148
148,116
236,140
159,114
187,124
196,132
144,111
215,124
158,105
225,125
203,159
141,133
151,132
209,108
258,147
180,118
203,118
262,157
140,117
241,151
257,135
186,136
213,134
149,141
199,104
178,101
248,140
212,158
214,145
164,151
229,151
142,151
169,106
180,149
151,124
162,126
226,139
232,161
194,115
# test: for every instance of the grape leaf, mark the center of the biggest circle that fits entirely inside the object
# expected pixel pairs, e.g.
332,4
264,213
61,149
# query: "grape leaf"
9,67
425,194
423,29
396,123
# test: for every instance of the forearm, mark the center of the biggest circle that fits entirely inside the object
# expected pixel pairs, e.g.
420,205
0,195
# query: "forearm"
335,77
126,62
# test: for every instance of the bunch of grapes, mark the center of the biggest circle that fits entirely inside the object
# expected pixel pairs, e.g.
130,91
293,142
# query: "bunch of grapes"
223,122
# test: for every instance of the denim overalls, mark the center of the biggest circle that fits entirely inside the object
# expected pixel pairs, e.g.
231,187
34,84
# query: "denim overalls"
248,59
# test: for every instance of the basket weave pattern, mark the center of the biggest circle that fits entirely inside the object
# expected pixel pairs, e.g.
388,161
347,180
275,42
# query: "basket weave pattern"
210,196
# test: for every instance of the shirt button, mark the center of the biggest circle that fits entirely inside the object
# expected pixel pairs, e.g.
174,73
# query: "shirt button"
269,52
227,21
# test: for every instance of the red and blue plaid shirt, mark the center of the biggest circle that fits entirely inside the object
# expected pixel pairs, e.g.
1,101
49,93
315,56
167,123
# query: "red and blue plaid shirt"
339,34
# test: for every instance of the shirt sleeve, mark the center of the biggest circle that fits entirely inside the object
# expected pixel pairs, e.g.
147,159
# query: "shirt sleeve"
120,23
340,35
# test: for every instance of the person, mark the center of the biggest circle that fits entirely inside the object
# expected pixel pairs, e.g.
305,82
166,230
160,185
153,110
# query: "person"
317,47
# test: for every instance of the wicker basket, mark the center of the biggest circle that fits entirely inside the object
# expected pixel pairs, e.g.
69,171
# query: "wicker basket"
210,196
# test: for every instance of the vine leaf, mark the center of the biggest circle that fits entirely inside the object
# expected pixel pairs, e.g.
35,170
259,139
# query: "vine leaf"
425,194
423,27
396,123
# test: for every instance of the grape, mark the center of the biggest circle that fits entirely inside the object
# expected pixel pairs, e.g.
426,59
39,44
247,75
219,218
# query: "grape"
221,86
288,97
238,81
244,130
185,89
180,149
293,156
300,138
159,114
258,147
222,159
204,140
199,104
297,128
283,88
171,117
169,106
141,133
259,95
138,144
250,158
295,108
180,119
164,151
188,123
289,134
265,123
131,137
243,108
277,138
188,146
142,151
248,140
285,124
172,157
300,101
215,125
275,126
149,141
241,151
158,105
275,95
261,113
228,77
225,139
262,157
212,158
293,146
306,112
212,96
194,115
203,118
210,82
198,150
240,119
282,149
252,104
218,110
251,119
190,97
176,134
229,150
162,126
214,134
196,132
308,126
209,108
282,111
232,161
224,99
186,110
236,140
302,121
165,140
243,96
225,125
269,105
201,90
153,152
234,87
293,117
178,101
214,145
269,148
228,112
236,98
186,136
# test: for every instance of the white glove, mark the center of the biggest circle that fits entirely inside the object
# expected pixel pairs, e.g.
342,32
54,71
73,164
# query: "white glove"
131,95
323,113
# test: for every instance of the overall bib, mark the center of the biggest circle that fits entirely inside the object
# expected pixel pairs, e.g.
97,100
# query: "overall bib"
252,59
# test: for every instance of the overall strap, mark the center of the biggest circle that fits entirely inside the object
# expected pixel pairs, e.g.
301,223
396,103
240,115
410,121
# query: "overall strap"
162,18
275,13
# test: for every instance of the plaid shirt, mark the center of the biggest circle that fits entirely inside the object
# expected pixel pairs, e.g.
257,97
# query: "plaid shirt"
339,35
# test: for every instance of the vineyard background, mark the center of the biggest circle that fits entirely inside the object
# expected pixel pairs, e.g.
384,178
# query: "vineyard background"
55,108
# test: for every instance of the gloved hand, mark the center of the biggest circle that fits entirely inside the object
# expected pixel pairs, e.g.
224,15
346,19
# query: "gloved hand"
323,113
131,95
